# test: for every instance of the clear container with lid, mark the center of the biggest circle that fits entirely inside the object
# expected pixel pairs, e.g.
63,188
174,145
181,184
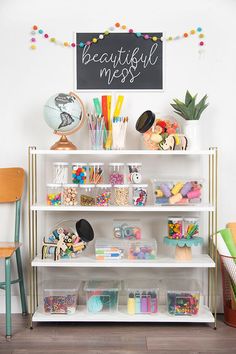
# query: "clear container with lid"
103,195
134,172
142,296
96,172
102,295
60,172
70,194
54,194
87,195
116,173
121,194
139,195
79,172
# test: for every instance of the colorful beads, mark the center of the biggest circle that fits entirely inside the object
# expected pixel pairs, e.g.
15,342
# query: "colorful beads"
101,36
123,27
33,46
154,39
79,173
72,45
53,40
35,28
199,29
201,43
131,30
117,24
88,43
70,194
146,36
183,303
66,44
138,34
116,178
81,44
201,35
185,35
60,304
54,199
103,199
121,195
192,31
40,31
94,40
106,33
33,39
46,35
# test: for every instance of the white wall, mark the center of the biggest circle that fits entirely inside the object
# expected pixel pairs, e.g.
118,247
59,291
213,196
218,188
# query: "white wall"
28,78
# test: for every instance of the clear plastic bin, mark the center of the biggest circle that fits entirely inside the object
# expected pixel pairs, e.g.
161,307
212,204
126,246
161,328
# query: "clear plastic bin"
142,296
103,195
79,172
183,297
60,298
142,250
116,173
96,172
87,195
139,195
177,192
60,172
127,229
102,296
70,194
121,194
110,250
134,172
54,194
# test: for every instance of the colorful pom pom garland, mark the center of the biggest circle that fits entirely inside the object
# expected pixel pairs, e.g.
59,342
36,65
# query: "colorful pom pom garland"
36,30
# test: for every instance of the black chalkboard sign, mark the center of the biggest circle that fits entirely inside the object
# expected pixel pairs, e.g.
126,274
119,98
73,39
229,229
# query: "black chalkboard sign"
120,61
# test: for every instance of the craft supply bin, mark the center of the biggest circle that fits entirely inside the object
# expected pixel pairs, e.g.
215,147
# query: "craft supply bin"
103,195
79,172
139,194
60,297
110,250
121,194
134,172
60,172
142,296
102,296
87,195
96,172
70,194
116,173
183,297
142,250
54,194
177,192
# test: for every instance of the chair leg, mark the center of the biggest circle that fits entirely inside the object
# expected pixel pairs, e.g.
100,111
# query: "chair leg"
21,282
8,296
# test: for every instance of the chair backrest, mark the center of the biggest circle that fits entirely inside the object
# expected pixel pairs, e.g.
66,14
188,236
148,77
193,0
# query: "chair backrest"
11,184
232,227
11,190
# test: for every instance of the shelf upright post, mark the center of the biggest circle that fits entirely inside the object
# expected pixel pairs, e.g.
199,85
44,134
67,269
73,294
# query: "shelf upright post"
215,232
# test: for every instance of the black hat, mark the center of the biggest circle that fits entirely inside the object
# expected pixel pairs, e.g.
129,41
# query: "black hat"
84,230
145,121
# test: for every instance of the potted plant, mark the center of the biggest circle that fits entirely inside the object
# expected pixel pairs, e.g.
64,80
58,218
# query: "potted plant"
191,112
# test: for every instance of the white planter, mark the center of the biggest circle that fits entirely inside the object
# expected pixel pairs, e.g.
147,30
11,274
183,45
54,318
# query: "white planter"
192,132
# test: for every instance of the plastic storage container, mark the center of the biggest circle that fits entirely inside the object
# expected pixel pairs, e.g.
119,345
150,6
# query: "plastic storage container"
142,296
103,195
142,250
96,172
110,250
102,296
121,194
183,297
177,192
60,298
70,194
54,194
175,228
139,194
87,195
191,227
127,229
79,172
116,173
60,172
134,172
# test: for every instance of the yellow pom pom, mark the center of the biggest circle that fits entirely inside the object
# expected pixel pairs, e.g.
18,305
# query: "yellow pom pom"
94,40
33,46
201,35
192,31
154,39
66,44
53,40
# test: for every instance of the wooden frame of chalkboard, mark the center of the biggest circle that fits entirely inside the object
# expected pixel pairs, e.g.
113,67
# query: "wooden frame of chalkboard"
119,62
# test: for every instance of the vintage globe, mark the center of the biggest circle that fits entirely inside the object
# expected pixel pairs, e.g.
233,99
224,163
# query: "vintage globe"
64,113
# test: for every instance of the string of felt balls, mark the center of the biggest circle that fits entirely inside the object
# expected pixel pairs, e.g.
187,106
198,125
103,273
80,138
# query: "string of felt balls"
36,30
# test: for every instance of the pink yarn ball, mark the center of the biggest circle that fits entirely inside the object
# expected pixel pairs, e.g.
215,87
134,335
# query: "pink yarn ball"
146,36
33,39
46,35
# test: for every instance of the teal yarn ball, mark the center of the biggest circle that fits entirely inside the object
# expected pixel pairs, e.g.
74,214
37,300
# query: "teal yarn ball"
94,304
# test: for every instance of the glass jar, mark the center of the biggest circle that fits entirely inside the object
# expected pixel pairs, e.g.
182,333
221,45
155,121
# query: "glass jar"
103,195
134,172
191,227
87,195
175,228
79,172
60,172
139,194
121,194
54,194
70,194
116,173
96,171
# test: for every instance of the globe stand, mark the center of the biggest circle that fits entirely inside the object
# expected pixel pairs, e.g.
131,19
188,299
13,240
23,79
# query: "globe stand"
63,144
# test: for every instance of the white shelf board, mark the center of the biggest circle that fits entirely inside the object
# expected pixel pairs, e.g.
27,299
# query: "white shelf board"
121,152
81,315
149,208
198,261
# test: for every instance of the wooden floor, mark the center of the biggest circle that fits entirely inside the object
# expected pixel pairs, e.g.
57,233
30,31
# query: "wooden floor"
103,338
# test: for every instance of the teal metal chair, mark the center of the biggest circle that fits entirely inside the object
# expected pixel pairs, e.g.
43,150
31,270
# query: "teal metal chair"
11,190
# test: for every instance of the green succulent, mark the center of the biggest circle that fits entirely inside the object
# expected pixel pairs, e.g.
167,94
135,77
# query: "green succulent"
190,110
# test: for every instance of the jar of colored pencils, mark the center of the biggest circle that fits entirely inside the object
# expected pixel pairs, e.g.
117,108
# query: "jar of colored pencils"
96,171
